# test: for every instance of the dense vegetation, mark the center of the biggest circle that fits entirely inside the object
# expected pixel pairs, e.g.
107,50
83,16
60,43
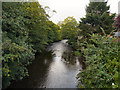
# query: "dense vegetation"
26,30
102,61
91,39
69,30
97,16
100,52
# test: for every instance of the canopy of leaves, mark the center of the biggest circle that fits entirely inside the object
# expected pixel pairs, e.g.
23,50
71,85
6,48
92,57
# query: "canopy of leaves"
69,30
102,61
97,15
26,30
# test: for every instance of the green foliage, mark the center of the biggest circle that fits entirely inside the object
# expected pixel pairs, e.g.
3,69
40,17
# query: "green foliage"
102,62
69,30
16,52
97,15
14,21
78,53
53,33
101,53
15,58
26,30
97,7
41,30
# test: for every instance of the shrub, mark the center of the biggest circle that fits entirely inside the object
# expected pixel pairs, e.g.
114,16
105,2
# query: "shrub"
15,58
102,62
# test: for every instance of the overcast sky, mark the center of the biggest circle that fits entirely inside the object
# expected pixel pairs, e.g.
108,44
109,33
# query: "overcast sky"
75,8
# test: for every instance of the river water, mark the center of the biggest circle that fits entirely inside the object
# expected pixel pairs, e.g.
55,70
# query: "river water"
55,68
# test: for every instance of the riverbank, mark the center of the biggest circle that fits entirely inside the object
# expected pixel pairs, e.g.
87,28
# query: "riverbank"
51,70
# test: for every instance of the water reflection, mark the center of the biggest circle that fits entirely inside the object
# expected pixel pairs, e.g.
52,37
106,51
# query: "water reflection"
56,68
37,72
64,68
69,57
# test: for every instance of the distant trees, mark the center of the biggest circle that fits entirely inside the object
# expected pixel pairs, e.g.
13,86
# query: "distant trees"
97,15
53,32
69,30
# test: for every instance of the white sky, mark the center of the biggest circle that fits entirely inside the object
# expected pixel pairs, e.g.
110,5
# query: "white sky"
75,8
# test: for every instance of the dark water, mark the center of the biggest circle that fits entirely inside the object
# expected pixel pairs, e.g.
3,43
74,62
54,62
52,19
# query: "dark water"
56,68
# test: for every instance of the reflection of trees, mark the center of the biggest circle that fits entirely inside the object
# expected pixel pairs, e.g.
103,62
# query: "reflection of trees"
69,57
38,71
81,60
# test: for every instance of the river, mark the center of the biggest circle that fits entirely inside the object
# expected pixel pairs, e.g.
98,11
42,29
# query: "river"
55,68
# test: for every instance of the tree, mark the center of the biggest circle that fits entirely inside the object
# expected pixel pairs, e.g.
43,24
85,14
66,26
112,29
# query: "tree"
41,30
26,30
97,15
53,34
17,53
69,30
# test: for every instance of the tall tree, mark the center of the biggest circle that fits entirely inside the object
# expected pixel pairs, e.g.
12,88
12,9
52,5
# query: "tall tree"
97,16
16,51
26,29
41,29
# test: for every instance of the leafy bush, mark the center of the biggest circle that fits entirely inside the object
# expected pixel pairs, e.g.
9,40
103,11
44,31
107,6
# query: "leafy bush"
15,58
26,29
102,62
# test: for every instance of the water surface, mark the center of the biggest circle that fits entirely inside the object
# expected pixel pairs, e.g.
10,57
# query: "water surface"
55,68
